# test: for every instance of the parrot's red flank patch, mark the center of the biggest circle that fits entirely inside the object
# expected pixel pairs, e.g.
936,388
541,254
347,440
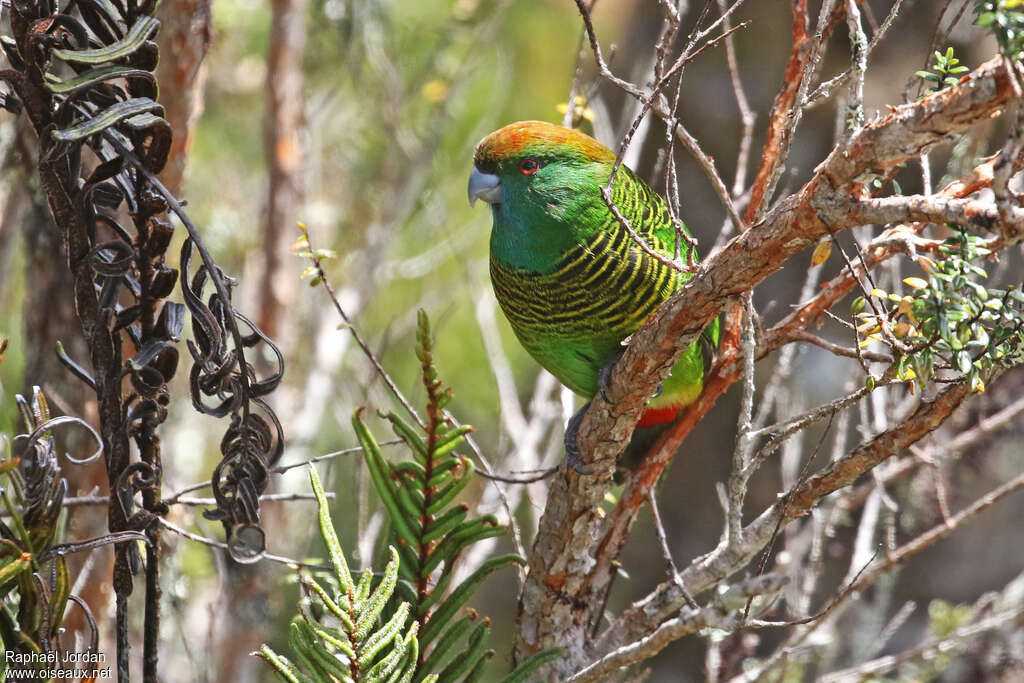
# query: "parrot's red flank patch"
537,136
657,416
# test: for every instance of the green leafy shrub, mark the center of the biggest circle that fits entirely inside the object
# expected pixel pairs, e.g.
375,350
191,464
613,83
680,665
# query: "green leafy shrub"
340,633
952,320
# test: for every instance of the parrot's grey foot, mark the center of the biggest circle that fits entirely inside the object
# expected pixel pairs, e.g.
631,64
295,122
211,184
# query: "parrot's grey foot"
572,449
604,375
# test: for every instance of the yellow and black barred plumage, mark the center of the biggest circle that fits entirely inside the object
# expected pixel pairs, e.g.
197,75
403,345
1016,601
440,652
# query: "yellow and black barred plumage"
605,287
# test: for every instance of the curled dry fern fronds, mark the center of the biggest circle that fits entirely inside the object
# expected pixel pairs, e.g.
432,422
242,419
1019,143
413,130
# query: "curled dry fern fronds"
82,74
35,586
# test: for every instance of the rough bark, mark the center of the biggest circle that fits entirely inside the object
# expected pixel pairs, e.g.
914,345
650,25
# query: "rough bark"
184,39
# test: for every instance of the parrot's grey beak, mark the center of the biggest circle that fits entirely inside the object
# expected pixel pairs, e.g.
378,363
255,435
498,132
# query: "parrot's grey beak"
485,186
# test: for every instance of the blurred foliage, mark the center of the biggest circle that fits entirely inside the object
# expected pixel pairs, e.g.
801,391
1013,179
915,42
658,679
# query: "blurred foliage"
1005,18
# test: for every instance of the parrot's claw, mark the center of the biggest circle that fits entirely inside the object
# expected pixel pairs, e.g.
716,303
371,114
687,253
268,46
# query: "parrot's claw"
604,376
572,449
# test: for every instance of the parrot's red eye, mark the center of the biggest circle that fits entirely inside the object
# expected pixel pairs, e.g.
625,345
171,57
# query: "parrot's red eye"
529,166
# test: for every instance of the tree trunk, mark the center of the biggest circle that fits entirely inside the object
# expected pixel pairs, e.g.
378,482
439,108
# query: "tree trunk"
283,133
184,39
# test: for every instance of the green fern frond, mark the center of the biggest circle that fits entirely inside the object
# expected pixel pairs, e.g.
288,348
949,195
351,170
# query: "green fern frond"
367,644
405,626
431,530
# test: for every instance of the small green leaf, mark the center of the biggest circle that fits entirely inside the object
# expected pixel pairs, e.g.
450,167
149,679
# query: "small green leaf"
451,635
303,651
443,524
461,594
447,493
533,664
367,614
363,587
282,667
380,476
316,653
476,645
383,635
337,556
339,611
15,567
453,543
411,437
412,508
963,361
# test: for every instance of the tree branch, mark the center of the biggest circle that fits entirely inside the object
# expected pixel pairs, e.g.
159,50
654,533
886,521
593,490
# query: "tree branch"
645,615
557,601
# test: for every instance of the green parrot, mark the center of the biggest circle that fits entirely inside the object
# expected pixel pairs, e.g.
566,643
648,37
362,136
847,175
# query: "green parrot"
568,276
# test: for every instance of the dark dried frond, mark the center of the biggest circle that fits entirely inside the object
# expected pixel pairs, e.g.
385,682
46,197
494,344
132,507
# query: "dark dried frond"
82,74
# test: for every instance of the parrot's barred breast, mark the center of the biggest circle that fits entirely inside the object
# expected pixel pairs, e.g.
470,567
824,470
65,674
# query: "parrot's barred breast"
607,287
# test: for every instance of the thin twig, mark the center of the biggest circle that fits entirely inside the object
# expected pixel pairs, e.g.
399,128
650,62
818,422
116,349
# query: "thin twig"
370,355
657,103
280,469
859,60
744,441
933,646
509,479
673,571
870,572
811,338
224,546
80,501
747,116
689,621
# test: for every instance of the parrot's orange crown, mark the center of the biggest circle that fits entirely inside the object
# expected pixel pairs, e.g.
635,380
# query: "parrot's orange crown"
538,138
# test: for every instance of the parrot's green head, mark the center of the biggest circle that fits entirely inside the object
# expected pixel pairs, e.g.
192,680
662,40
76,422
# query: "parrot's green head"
543,184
